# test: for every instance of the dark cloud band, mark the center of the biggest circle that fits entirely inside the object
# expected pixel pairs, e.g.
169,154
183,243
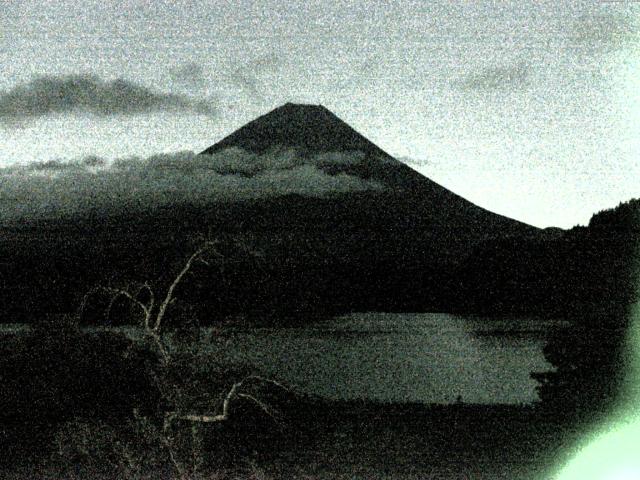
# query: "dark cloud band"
49,95
66,188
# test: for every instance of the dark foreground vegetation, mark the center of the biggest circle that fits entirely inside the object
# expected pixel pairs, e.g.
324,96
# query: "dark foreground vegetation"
75,400
347,441
599,288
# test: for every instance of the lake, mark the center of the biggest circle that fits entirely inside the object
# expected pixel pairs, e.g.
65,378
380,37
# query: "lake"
421,357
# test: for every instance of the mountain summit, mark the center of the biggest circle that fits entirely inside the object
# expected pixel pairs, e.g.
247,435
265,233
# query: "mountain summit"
311,129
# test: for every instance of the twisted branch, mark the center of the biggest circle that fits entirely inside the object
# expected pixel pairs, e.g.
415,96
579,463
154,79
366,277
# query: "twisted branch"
232,394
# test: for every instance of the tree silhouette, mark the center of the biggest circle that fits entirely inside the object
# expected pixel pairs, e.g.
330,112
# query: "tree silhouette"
591,357
184,409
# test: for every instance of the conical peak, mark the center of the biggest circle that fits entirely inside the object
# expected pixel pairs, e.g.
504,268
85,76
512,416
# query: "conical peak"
301,115
306,127
301,106
290,107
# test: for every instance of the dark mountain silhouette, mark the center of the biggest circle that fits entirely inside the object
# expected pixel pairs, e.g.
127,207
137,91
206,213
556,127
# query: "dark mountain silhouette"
312,128
392,248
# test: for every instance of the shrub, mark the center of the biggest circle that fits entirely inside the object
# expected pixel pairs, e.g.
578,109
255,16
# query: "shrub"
56,372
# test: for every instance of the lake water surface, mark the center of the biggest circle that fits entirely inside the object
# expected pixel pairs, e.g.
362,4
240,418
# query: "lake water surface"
423,357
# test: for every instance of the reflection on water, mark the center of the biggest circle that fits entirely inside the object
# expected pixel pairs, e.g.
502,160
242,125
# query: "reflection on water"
402,357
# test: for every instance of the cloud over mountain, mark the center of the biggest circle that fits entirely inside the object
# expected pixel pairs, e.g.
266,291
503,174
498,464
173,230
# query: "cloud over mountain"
63,188
49,95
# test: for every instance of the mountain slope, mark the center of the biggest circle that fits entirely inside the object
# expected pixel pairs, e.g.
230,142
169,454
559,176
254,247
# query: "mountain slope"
312,130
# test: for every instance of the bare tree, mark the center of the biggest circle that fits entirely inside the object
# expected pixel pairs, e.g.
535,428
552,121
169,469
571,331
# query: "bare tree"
184,415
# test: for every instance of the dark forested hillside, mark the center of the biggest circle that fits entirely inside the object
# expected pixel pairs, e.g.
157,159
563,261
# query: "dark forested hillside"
594,356
585,269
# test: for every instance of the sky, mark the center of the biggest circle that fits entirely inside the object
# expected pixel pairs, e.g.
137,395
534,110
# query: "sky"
528,109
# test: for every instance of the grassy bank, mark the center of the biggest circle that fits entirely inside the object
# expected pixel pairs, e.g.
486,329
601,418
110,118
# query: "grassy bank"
347,440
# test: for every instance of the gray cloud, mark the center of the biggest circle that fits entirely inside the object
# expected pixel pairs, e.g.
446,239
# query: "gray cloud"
498,77
415,162
66,188
247,76
188,74
605,30
62,94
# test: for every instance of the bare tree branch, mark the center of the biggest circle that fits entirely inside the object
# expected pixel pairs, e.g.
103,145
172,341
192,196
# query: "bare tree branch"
152,296
204,418
118,292
263,406
154,315
170,291
266,380
167,440
115,294
232,394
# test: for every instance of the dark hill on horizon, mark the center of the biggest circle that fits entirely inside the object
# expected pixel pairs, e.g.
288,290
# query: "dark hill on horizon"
394,243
